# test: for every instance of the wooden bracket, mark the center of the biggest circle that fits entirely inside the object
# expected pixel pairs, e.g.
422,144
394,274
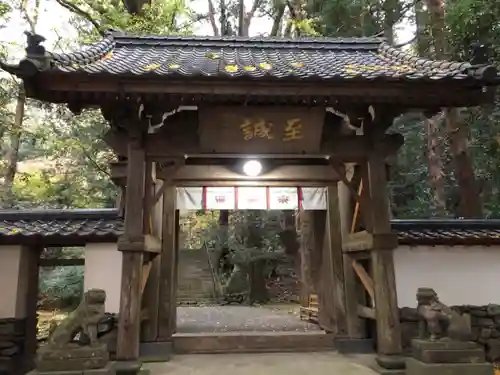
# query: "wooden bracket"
146,268
366,280
172,168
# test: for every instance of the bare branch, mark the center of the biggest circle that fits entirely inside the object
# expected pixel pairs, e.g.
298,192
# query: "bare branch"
92,160
247,18
278,19
211,17
411,41
77,10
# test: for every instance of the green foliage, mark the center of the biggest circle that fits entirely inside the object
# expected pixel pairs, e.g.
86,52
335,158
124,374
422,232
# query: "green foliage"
472,21
5,9
61,287
165,17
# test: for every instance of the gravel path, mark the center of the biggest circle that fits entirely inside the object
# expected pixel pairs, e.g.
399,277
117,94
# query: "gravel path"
239,318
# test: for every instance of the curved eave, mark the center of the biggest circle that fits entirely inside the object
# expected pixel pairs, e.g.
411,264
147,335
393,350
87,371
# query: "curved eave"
91,90
11,68
484,76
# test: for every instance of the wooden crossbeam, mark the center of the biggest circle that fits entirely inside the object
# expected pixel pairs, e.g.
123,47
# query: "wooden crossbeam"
61,262
366,312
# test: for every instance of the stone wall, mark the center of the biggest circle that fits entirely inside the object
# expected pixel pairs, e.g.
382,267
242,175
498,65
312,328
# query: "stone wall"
12,342
485,322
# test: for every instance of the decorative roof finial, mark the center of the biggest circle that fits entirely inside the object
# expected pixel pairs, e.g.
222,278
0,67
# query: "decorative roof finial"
479,53
34,49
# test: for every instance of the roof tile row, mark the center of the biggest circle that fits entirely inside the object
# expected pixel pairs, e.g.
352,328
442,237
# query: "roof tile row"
323,59
107,225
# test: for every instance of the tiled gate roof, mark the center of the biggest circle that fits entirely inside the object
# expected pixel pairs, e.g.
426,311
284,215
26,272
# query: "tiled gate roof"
319,59
76,227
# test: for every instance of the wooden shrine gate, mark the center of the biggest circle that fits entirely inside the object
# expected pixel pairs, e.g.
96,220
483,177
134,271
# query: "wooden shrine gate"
188,109
336,285
357,240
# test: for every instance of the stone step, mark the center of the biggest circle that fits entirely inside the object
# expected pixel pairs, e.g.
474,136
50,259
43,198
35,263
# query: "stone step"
205,301
195,296
252,342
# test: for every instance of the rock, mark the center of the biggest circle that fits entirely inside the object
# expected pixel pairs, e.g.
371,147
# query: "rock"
485,333
408,314
6,344
493,350
478,313
409,330
9,352
475,333
482,322
493,310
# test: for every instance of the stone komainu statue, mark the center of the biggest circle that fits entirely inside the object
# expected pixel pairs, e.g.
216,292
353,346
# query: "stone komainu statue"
84,318
434,316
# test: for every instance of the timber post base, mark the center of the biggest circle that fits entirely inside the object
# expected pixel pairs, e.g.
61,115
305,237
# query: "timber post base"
107,370
391,362
347,345
159,351
130,368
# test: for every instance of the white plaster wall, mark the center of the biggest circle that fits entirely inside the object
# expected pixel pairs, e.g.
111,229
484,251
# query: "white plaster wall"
460,275
13,262
103,270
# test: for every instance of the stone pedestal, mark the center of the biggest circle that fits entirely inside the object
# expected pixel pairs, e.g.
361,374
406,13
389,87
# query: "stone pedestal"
72,358
107,370
12,340
447,357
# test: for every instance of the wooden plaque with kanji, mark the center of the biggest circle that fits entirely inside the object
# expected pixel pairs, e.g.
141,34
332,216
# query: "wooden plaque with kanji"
260,130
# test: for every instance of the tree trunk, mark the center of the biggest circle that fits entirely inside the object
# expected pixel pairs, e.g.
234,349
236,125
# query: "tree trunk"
421,22
256,268
12,154
135,6
436,174
211,18
223,264
432,123
288,234
390,18
258,287
470,204
278,19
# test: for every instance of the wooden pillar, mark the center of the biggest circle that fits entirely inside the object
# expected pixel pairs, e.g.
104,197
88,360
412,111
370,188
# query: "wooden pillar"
31,344
386,304
131,285
354,291
332,310
151,304
168,279
306,240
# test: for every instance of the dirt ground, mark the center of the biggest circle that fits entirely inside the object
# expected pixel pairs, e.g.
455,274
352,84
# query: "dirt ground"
326,363
236,318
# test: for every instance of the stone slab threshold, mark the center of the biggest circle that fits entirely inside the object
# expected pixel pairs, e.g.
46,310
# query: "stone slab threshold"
251,342
317,363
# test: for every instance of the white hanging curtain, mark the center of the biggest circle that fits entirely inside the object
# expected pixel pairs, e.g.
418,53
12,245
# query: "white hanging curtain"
248,198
